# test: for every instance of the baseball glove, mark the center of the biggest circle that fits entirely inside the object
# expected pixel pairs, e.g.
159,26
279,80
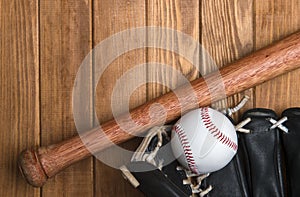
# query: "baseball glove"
258,168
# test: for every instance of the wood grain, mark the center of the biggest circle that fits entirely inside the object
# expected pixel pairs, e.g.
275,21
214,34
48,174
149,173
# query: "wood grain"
274,20
227,35
111,17
182,16
19,96
65,41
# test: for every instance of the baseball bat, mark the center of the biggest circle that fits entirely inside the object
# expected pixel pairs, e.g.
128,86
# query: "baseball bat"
37,165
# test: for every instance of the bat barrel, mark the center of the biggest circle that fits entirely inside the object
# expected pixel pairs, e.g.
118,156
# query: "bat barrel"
284,56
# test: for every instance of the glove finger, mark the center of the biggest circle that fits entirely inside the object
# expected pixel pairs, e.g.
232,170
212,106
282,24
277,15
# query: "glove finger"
291,142
264,152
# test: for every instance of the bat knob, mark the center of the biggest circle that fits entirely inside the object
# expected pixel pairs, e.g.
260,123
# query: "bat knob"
31,168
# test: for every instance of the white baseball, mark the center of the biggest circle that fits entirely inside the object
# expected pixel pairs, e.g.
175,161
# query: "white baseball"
204,140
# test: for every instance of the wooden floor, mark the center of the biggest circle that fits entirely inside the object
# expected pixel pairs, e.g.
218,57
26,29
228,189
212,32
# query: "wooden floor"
43,42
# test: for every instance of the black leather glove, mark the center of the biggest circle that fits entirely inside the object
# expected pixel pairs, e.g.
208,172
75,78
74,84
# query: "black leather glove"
263,150
291,142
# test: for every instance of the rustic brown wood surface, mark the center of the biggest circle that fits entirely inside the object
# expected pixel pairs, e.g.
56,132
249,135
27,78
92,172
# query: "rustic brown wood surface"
42,44
19,97
65,40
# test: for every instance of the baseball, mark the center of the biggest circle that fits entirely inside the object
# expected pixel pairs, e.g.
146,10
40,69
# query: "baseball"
204,140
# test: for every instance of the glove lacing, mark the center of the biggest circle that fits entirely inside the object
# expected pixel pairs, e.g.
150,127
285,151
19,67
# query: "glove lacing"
194,181
142,155
275,124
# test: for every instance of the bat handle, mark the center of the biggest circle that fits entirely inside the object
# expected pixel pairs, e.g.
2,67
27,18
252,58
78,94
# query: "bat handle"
39,164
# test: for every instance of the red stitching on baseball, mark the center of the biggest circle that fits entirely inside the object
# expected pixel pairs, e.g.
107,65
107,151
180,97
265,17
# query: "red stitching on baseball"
217,134
215,131
227,139
186,148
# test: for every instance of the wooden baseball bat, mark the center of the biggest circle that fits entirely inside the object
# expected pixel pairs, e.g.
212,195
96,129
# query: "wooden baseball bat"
37,165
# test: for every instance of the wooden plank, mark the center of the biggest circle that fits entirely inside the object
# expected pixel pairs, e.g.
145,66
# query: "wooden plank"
65,41
227,35
19,96
182,16
111,17
276,19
